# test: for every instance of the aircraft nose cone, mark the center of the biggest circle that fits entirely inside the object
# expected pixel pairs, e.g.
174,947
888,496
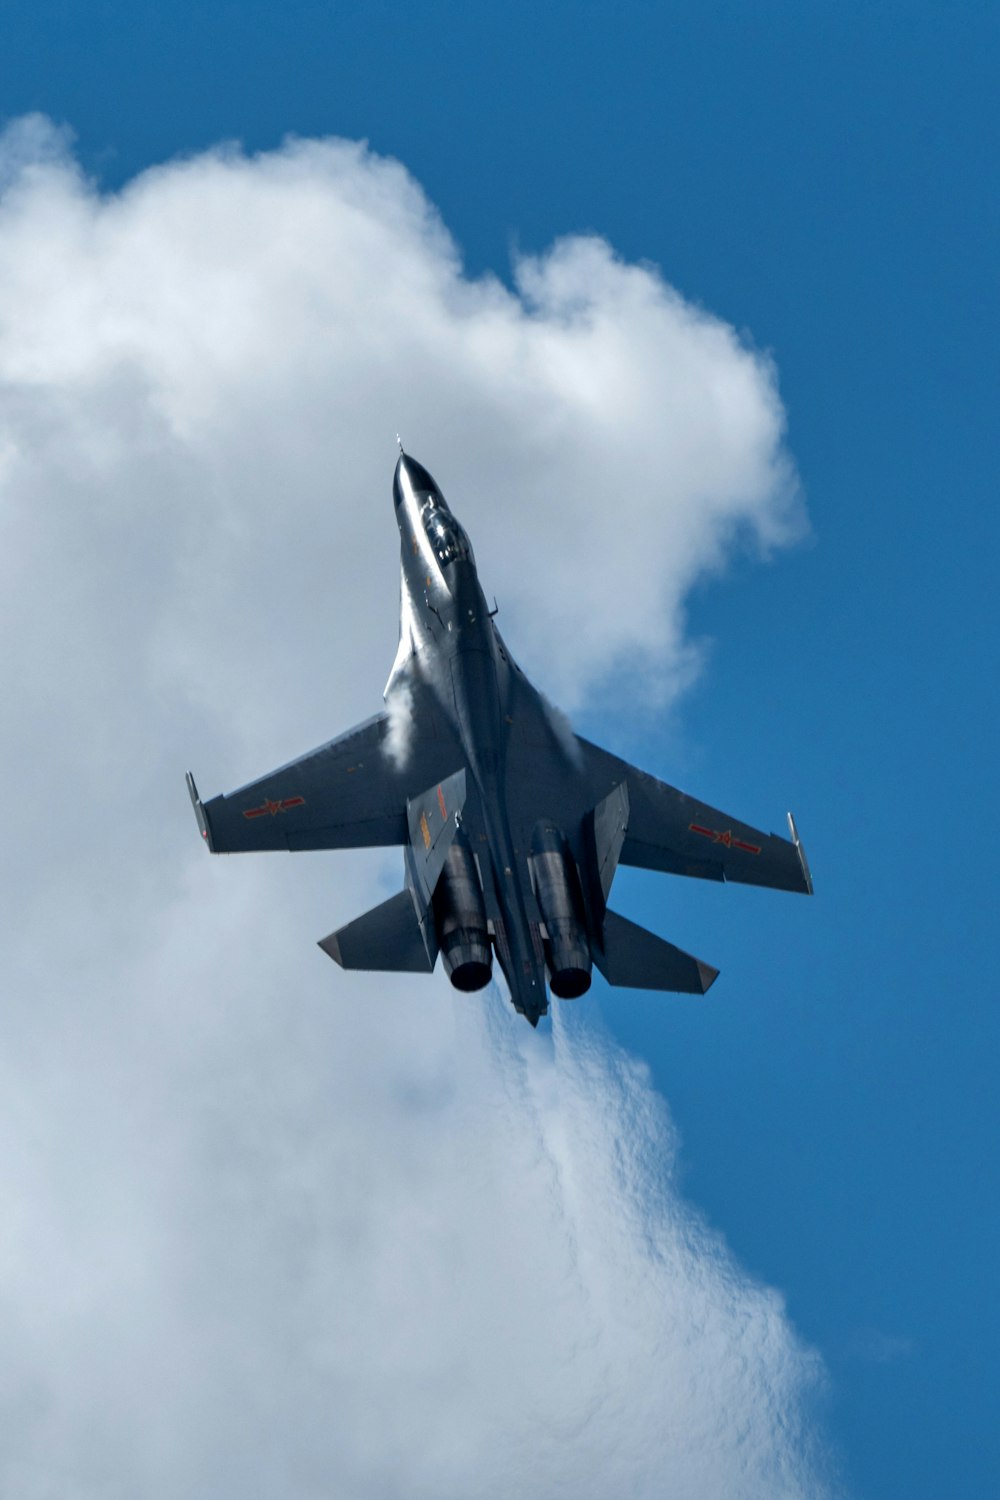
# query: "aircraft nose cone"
413,476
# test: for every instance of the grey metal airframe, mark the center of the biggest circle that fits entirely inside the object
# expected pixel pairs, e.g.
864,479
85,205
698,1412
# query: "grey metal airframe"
512,827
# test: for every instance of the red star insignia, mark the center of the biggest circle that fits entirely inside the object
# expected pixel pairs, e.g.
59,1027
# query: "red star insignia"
270,808
726,839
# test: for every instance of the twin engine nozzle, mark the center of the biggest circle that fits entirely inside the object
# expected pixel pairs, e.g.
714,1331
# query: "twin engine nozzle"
442,909
461,924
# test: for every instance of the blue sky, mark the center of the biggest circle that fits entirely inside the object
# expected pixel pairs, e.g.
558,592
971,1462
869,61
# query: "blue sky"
824,177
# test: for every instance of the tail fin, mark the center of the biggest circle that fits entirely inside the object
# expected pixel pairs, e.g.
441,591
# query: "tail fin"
639,960
388,938
609,825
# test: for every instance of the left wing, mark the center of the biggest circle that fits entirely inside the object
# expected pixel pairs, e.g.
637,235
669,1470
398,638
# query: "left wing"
348,794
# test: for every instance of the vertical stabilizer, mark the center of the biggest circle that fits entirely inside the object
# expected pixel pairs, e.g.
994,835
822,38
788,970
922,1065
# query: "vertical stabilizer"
609,825
432,819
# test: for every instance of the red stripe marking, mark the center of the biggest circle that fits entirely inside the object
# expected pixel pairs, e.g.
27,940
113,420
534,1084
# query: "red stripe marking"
444,810
273,807
724,838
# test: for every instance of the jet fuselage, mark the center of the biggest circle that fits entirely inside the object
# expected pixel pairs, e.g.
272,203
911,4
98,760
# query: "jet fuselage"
446,629
512,826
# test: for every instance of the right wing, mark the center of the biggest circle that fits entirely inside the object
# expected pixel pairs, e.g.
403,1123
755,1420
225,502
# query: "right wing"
555,773
669,831
349,794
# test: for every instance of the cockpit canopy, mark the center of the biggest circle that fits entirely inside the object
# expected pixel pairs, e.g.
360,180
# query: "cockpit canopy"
448,540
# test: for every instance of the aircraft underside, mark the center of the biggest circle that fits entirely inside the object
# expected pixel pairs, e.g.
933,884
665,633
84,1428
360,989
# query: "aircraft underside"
511,826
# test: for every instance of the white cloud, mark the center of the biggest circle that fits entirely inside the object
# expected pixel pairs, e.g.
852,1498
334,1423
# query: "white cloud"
269,1229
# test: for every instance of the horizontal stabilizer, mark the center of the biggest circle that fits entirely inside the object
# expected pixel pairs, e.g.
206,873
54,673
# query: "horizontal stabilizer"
387,938
639,960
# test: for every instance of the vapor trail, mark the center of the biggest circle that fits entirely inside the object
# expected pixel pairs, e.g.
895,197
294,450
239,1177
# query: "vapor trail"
269,1230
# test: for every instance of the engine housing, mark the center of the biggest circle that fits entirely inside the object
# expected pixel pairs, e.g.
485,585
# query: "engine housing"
460,920
560,899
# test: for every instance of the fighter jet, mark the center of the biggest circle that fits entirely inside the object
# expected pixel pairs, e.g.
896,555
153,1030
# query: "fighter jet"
511,826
